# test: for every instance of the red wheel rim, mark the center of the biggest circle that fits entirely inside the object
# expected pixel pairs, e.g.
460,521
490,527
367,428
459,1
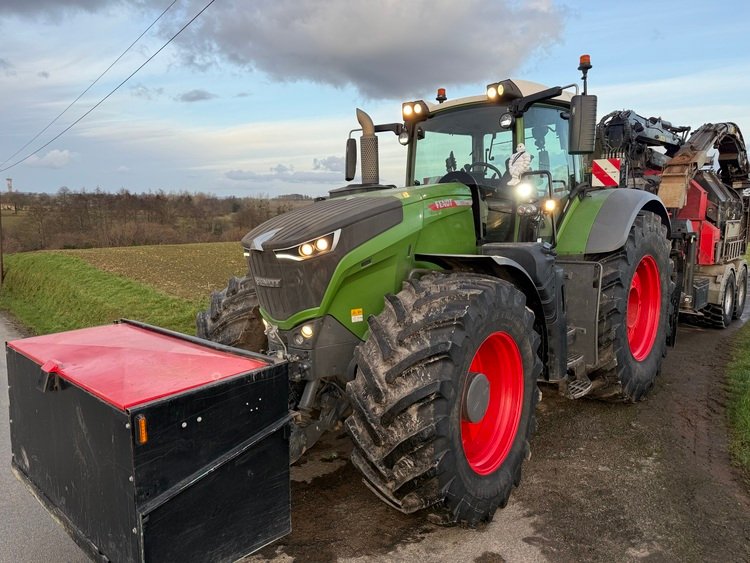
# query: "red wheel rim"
486,443
644,308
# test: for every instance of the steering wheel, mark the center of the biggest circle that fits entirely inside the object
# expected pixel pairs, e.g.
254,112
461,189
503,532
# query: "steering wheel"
458,176
487,165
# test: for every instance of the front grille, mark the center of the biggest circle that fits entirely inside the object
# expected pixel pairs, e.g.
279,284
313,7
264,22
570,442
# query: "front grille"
286,287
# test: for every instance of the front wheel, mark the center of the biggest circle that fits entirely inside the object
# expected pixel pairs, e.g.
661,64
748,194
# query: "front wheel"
444,396
233,317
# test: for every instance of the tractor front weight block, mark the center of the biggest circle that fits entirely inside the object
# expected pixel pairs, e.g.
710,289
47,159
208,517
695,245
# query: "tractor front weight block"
148,445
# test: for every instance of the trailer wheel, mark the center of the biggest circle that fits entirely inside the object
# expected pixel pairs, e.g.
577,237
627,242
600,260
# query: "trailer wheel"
739,302
233,317
634,312
444,396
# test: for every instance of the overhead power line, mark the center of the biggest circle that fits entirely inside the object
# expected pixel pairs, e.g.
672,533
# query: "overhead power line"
35,137
100,102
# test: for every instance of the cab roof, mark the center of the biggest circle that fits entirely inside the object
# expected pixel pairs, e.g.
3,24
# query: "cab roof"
527,88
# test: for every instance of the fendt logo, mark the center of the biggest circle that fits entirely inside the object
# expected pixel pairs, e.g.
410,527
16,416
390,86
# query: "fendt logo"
267,282
449,203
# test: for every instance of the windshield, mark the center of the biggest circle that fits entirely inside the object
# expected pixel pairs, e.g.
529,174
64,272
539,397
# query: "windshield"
470,139
465,139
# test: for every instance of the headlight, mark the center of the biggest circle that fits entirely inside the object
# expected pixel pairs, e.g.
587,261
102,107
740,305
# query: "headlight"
524,190
311,248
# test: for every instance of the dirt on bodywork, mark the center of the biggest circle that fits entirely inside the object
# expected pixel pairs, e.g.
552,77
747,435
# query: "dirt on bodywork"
651,481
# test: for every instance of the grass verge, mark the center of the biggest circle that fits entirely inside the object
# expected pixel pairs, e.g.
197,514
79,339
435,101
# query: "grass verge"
739,400
51,292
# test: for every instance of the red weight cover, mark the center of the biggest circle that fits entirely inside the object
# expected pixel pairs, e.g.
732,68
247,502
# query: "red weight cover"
126,365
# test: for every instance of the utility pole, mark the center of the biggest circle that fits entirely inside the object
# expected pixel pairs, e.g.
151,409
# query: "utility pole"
2,267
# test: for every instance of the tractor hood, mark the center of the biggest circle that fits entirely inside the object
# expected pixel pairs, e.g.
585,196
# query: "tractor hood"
286,283
323,217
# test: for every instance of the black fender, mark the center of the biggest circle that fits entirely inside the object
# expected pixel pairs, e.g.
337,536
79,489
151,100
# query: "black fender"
616,216
531,268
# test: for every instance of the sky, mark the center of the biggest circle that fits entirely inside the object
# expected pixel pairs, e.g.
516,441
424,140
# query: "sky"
257,97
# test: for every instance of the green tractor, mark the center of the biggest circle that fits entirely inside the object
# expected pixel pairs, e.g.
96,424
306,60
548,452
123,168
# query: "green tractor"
423,317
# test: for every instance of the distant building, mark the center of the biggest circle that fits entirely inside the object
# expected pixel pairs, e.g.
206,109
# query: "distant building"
294,196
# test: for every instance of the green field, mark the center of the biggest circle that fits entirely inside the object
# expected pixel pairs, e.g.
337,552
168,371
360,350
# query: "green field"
190,271
163,285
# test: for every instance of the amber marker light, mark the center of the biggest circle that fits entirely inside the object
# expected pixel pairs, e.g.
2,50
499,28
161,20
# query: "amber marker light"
141,432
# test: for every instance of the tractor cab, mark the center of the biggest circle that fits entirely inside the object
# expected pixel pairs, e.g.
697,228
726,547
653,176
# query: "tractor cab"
516,161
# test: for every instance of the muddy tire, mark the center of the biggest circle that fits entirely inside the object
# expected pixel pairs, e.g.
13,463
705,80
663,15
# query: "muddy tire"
721,315
634,312
741,296
413,438
233,317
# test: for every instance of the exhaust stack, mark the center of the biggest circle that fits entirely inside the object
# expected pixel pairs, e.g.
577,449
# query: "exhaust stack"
368,149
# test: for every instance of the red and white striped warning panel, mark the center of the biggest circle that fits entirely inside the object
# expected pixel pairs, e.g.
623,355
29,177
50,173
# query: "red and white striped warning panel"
605,172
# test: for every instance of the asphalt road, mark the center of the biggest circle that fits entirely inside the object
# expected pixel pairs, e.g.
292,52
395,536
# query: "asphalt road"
27,532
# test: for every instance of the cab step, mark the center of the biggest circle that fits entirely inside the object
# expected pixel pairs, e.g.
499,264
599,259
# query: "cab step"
580,385
571,334
579,388
576,365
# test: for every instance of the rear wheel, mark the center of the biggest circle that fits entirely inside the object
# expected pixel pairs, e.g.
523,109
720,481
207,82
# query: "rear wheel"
634,312
233,317
720,314
739,302
444,396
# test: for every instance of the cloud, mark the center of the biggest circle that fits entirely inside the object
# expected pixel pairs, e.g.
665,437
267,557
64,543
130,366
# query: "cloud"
7,68
330,163
384,49
141,91
285,173
54,7
53,159
195,96
123,168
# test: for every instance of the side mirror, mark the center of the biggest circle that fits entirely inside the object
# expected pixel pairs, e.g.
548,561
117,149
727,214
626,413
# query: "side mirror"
351,159
582,124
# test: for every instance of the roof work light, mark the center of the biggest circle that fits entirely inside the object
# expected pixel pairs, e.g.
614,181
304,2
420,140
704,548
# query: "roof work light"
503,91
415,111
